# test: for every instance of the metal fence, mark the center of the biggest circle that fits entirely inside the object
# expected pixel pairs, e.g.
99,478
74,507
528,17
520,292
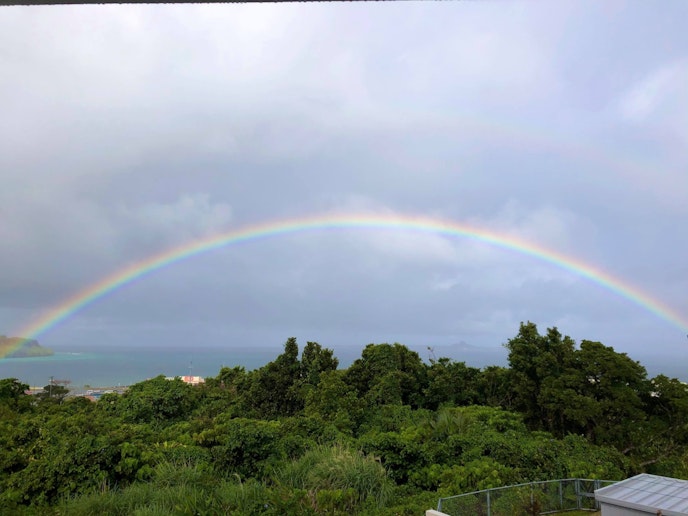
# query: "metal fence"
533,498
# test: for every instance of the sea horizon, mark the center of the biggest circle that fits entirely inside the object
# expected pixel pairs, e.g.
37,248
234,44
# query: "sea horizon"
111,366
125,365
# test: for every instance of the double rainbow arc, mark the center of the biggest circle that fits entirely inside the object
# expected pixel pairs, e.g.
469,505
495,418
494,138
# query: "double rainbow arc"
120,278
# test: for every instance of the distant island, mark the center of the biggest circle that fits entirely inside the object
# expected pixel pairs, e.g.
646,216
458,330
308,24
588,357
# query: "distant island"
26,348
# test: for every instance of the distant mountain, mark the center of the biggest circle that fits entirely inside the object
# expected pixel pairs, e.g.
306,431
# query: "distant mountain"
465,346
27,348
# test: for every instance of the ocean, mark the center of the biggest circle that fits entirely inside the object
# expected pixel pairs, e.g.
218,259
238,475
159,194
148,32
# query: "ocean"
117,366
113,366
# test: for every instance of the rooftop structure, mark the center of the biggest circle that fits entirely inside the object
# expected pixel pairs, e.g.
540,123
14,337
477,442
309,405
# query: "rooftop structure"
191,380
644,494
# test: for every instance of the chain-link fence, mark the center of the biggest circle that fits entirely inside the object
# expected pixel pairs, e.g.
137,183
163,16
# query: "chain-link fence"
533,498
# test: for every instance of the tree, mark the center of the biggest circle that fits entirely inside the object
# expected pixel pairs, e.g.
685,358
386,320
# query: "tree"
494,387
667,401
613,384
536,362
157,400
56,393
314,361
451,382
274,389
389,374
336,402
226,390
247,447
13,393
659,439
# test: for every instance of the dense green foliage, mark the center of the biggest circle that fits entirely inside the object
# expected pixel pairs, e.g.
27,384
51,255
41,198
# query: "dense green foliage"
388,435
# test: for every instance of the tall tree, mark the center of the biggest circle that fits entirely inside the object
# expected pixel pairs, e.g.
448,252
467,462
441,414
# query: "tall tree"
537,361
12,393
389,373
274,389
316,360
614,384
451,382
157,400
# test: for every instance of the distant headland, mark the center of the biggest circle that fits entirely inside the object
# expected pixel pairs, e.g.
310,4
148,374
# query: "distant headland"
18,347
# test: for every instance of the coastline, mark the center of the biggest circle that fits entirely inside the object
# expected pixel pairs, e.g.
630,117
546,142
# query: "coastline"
19,347
120,366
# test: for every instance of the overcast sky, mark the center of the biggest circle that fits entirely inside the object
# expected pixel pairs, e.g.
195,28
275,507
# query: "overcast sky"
128,130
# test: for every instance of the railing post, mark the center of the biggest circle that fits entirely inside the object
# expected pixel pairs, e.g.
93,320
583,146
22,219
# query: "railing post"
532,500
546,502
596,485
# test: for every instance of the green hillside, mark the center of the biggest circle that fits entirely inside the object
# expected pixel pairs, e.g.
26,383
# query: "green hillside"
389,435
19,347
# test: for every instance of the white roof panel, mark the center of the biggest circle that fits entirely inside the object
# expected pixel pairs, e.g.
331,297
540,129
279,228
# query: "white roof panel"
648,493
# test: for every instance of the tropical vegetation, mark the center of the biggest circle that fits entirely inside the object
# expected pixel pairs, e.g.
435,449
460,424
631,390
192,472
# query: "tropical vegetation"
387,435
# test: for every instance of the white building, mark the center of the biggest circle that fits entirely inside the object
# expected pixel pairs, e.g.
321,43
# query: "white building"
191,380
644,494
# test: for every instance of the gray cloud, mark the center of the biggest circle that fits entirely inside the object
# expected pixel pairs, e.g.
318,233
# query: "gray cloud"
128,130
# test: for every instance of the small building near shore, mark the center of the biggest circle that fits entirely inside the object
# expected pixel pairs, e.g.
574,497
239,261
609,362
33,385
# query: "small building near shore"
644,494
191,380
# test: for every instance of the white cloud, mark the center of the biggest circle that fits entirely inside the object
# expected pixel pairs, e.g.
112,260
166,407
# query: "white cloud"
444,263
486,268
58,241
654,114
387,247
658,94
659,105
552,227
190,216
114,118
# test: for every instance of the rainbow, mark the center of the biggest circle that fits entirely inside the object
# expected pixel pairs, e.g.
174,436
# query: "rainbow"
122,277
